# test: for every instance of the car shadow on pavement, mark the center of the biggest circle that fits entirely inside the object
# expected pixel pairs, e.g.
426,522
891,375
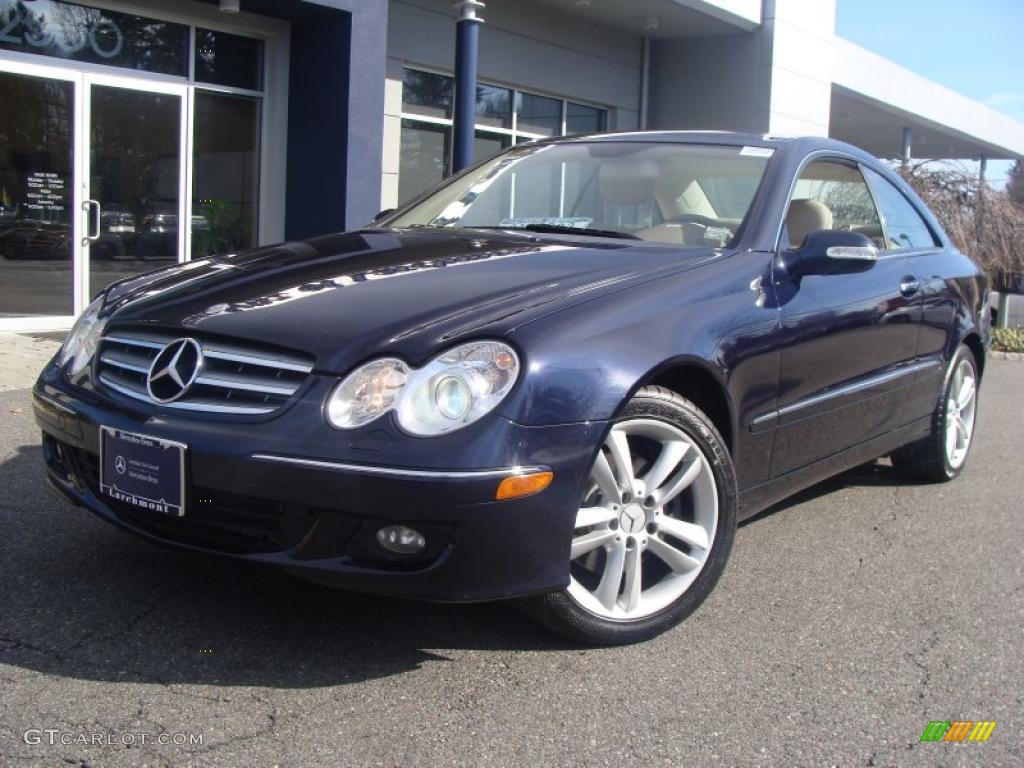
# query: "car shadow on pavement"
82,599
874,473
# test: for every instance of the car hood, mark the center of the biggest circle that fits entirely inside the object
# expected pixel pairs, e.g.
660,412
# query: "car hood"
346,297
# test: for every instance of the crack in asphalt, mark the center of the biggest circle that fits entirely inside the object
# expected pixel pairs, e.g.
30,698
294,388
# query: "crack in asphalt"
926,675
125,629
62,656
882,526
5,756
172,689
142,715
16,644
268,730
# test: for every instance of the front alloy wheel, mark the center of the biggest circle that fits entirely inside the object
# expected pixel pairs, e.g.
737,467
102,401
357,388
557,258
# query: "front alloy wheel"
654,528
633,552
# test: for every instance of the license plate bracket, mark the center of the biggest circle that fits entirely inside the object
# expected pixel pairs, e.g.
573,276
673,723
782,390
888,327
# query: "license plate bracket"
144,471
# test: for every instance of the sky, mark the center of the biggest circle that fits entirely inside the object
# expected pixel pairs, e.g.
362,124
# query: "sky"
975,47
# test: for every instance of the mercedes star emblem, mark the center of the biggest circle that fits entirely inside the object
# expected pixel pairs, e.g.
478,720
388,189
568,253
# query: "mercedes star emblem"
174,370
120,465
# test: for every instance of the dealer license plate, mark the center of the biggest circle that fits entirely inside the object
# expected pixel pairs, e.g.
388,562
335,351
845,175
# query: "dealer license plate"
146,472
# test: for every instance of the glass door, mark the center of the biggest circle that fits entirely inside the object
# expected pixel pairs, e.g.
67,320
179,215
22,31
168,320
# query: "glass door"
39,197
137,208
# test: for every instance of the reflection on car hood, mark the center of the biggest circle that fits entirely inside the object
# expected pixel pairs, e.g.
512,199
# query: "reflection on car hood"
347,297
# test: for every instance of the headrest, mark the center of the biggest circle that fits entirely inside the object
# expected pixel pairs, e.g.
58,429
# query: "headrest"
629,183
806,216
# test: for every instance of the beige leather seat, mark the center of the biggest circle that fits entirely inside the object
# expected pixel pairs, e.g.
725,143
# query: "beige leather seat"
804,217
632,183
628,183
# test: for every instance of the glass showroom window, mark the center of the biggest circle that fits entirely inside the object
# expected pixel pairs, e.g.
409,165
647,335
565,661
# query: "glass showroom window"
503,117
225,182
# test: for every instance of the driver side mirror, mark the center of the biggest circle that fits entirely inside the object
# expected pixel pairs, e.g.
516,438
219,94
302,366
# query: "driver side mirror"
831,252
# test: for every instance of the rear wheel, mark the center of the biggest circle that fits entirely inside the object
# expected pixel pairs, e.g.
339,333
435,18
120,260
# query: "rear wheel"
942,455
654,528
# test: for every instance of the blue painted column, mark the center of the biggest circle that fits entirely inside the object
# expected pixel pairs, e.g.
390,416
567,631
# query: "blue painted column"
467,37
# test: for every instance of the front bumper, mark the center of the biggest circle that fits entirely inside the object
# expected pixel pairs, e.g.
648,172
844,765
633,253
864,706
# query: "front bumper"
256,491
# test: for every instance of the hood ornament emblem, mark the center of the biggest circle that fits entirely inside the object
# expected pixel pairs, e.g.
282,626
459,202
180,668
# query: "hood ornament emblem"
174,370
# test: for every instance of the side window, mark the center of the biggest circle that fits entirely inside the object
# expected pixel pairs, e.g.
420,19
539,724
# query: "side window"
832,195
904,226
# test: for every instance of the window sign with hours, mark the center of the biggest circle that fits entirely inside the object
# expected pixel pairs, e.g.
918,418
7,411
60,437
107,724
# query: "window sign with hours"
46,192
80,33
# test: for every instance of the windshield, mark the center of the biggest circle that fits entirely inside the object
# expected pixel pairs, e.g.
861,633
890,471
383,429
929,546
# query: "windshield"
685,194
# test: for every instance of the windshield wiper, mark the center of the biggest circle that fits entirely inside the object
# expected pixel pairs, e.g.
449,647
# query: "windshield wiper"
566,229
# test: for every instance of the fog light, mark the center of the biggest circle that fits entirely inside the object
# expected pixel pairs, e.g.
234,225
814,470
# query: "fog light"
401,540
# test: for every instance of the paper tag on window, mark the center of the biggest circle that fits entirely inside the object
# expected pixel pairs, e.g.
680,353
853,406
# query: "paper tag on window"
576,222
757,151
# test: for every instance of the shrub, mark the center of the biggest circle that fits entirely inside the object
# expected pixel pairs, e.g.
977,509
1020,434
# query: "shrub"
1008,339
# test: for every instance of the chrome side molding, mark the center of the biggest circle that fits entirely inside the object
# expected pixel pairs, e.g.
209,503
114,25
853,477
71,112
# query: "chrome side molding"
772,418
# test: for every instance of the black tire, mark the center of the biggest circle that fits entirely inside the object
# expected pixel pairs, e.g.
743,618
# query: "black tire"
563,615
926,459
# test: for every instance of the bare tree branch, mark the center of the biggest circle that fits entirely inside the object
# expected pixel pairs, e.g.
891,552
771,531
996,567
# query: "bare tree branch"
984,223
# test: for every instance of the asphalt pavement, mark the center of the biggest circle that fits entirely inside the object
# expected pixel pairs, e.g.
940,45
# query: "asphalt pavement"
848,618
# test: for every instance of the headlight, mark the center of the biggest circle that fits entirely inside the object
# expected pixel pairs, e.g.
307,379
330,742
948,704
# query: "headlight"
448,393
80,345
367,393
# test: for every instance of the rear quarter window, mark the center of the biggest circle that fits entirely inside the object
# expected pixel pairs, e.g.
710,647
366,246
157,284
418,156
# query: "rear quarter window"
905,229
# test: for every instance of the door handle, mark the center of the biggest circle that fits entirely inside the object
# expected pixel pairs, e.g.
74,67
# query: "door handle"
92,230
909,285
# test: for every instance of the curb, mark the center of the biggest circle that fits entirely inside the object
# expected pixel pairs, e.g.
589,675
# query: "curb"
995,355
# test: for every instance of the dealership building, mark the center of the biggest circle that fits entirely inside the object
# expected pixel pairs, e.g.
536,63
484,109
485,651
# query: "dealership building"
139,134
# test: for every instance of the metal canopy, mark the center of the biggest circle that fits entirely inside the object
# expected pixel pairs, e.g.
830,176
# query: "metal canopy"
877,127
674,18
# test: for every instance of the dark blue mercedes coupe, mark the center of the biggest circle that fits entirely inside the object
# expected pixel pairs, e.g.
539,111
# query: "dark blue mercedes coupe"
562,376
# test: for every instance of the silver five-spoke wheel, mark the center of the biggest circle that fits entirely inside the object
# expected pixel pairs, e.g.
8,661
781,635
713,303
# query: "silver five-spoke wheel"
960,413
942,454
647,522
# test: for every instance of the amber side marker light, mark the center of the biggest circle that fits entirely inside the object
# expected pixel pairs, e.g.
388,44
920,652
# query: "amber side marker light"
523,485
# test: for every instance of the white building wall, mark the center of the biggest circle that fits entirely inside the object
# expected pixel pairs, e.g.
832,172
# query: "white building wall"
802,34
744,12
775,79
523,44
925,101
392,134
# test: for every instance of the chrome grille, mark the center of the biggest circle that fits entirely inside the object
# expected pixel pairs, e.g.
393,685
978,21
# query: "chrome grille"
233,378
